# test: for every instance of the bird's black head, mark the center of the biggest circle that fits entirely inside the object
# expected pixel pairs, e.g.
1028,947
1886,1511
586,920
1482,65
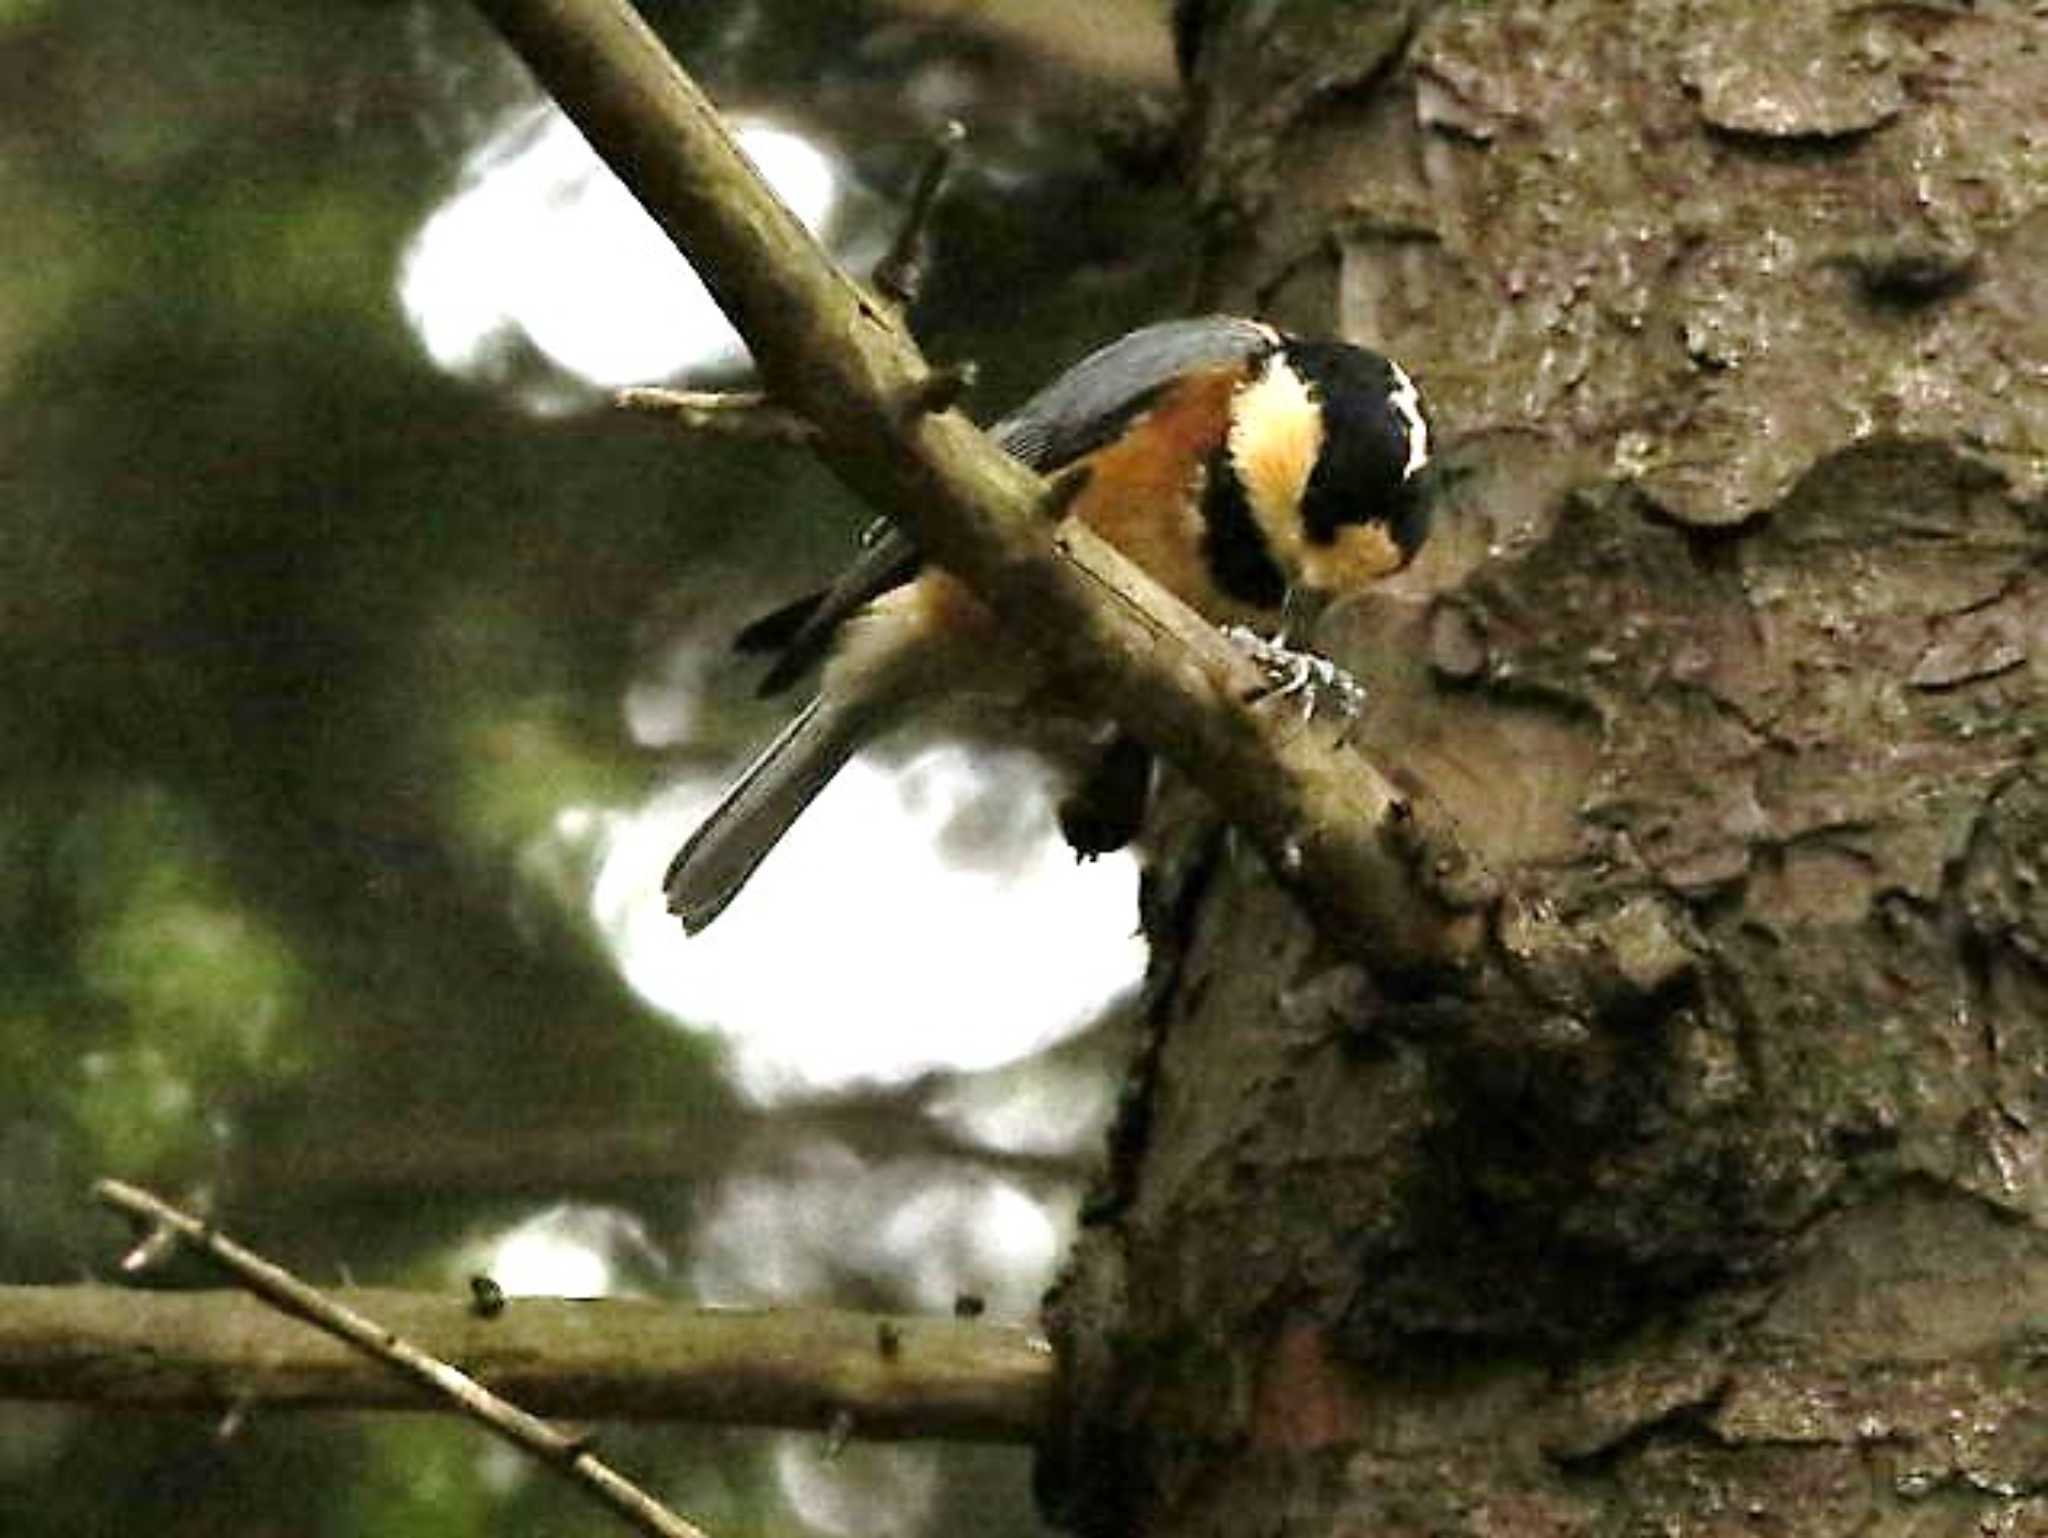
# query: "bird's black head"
1370,474
1331,446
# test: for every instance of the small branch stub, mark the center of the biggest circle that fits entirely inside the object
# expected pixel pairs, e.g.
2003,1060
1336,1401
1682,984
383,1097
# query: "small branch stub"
942,388
486,1297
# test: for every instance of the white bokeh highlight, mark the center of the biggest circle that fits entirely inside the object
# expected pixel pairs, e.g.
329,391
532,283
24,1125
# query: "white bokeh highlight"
539,240
915,1229
864,950
860,1491
568,1250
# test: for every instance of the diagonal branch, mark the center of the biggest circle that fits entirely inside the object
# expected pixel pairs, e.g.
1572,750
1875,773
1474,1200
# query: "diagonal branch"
566,1454
1356,850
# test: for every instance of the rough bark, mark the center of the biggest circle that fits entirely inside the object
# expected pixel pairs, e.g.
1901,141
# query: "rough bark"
1727,1216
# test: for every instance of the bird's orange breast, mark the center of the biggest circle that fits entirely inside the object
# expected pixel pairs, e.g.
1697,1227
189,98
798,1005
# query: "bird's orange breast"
1144,489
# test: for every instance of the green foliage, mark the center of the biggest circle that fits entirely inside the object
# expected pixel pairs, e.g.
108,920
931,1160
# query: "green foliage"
311,656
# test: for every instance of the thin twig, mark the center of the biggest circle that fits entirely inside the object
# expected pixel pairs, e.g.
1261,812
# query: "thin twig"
899,276
279,1287
733,414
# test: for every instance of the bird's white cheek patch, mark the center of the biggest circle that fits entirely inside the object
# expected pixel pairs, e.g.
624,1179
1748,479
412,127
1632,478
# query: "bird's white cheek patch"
1407,403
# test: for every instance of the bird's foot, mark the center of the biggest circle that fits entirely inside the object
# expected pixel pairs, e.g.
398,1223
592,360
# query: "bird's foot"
1315,680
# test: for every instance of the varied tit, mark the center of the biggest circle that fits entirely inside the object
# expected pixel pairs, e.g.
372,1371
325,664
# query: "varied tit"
1234,462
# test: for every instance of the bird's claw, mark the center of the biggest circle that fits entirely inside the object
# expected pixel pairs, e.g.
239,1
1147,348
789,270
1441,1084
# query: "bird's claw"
1315,680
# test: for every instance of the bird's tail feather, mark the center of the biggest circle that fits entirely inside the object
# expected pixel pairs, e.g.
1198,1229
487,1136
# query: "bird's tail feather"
709,870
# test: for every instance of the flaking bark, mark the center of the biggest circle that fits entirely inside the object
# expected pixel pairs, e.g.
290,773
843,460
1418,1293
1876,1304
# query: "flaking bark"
1717,1207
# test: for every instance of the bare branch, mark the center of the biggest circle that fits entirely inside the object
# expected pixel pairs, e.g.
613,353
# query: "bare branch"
1330,825
349,1165
732,414
277,1286
609,1359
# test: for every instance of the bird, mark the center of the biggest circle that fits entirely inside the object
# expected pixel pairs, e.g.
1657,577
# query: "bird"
1237,463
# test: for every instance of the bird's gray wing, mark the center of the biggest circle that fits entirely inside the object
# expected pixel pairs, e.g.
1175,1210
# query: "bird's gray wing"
1096,399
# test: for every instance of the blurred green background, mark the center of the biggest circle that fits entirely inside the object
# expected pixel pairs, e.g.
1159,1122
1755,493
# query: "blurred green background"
348,638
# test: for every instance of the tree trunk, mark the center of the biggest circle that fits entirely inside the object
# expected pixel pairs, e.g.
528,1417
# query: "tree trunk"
1723,1213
